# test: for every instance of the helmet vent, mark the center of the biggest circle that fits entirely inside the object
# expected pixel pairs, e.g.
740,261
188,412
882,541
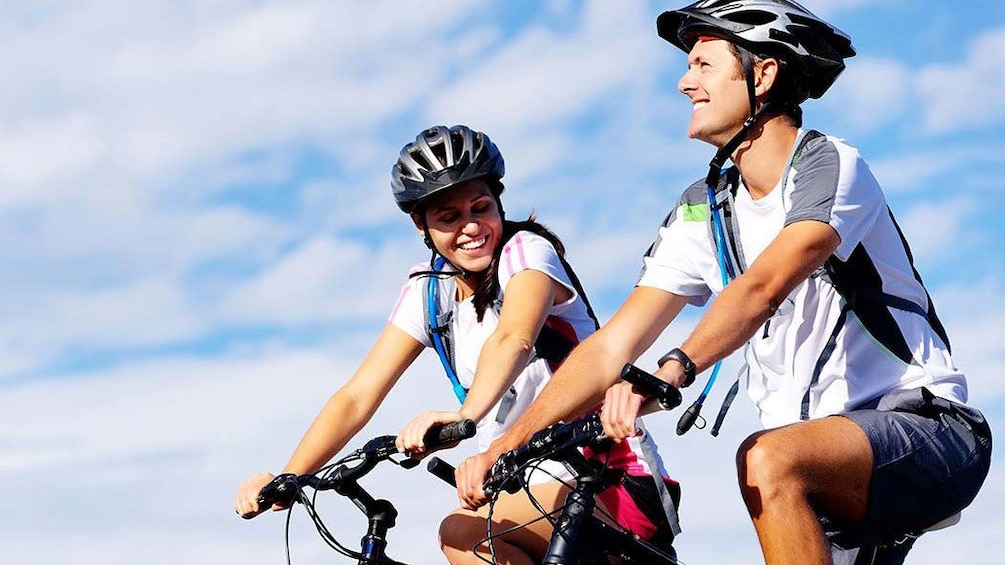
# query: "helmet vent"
787,37
751,17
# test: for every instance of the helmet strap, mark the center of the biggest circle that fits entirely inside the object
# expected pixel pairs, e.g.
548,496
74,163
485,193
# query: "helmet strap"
724,152
426,237
428,240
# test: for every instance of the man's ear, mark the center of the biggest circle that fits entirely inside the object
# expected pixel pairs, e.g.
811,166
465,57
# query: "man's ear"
765,76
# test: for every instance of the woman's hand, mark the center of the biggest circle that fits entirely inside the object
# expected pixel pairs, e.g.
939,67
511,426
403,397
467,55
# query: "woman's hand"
409,439
246,503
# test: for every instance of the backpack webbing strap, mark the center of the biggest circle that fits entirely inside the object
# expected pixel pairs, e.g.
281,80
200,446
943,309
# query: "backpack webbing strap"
669,508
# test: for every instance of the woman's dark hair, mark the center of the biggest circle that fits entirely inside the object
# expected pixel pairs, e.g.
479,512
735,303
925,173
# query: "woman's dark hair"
488,288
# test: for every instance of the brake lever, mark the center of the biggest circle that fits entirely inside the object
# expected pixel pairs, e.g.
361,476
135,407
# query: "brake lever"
380,447
505,469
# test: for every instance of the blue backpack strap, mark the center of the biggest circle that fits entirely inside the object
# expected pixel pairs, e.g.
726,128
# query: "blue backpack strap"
731,253
438,326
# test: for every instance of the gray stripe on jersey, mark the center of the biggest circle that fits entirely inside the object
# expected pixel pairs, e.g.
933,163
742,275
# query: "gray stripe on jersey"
815,182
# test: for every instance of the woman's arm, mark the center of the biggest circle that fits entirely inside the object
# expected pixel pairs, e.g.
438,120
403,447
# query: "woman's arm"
345,413
529,296
352,406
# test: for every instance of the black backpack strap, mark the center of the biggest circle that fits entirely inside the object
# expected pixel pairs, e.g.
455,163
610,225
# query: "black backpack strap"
552,344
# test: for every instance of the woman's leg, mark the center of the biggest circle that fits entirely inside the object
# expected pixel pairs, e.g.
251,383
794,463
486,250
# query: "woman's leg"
463,530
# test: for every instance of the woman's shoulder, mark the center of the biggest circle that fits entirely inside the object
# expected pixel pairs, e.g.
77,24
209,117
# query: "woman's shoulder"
526,239
527,250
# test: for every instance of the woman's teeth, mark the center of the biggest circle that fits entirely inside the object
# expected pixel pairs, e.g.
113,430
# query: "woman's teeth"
473,244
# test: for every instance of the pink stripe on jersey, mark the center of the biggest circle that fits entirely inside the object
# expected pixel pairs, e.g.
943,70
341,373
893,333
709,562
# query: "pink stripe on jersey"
401,298
515,243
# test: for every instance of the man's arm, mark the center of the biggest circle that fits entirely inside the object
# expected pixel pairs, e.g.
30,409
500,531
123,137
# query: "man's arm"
747,302
735,315
594,365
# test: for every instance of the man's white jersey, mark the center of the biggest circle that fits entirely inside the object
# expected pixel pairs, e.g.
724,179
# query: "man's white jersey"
859,327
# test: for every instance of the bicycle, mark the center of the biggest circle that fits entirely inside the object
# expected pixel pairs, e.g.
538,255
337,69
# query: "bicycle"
580,536
342,478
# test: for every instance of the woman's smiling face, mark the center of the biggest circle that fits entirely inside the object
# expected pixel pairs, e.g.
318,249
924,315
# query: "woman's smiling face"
465,224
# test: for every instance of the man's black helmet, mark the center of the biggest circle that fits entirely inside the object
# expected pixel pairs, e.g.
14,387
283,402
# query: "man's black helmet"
442,157
769,28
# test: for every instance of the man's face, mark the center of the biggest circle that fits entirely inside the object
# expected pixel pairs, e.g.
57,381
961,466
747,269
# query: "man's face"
714,82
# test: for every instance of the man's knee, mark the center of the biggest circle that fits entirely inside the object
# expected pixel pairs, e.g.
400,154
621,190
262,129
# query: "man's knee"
765,466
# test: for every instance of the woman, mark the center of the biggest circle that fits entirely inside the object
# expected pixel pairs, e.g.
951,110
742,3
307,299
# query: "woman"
513,309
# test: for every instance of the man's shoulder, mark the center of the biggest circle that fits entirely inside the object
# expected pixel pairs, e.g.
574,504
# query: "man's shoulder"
695,193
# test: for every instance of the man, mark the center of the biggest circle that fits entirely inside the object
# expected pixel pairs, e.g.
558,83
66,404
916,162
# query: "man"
869,442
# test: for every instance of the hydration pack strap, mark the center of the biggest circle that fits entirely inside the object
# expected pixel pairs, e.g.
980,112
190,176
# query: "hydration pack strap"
439,329
734,261
551,344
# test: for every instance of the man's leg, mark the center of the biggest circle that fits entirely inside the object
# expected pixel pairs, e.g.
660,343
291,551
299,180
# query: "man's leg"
788,475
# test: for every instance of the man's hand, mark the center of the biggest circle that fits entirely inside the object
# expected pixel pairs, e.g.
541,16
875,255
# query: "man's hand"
623,404
470,476
620,410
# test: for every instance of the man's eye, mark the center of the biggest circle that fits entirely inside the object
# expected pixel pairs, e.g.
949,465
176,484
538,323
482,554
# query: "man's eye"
448,218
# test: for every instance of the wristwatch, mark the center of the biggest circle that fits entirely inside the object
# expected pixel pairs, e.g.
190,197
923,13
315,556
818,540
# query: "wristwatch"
679,356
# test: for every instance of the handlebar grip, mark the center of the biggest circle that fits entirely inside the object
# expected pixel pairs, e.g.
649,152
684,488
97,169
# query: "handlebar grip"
438,436
666,394
281,489
443,470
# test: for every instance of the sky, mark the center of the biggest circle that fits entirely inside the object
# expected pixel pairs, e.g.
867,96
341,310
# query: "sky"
199,244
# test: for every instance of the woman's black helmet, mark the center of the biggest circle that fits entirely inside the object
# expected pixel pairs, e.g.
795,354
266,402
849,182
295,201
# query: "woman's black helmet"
442,157
769,28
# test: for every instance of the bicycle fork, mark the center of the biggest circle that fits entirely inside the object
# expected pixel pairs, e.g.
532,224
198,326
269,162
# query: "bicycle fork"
567,543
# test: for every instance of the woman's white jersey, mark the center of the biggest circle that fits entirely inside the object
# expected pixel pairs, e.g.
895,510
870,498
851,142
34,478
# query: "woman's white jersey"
525,250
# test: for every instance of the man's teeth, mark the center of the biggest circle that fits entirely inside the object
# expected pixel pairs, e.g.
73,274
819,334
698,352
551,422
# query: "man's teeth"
699,105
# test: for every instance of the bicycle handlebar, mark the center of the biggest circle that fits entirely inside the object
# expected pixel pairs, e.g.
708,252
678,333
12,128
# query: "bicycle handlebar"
666,394
284,488
559,438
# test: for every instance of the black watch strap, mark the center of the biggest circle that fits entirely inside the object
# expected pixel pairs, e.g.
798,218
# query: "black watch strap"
685,361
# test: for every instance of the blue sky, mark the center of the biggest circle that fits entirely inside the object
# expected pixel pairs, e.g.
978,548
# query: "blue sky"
199,242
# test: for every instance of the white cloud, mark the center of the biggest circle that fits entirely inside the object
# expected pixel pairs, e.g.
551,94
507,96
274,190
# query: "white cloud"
870,94
933,228
973,312
135,143
921,169
545,76
323,281
969,95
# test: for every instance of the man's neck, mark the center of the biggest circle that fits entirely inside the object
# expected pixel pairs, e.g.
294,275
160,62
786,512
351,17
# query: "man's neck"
762,159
